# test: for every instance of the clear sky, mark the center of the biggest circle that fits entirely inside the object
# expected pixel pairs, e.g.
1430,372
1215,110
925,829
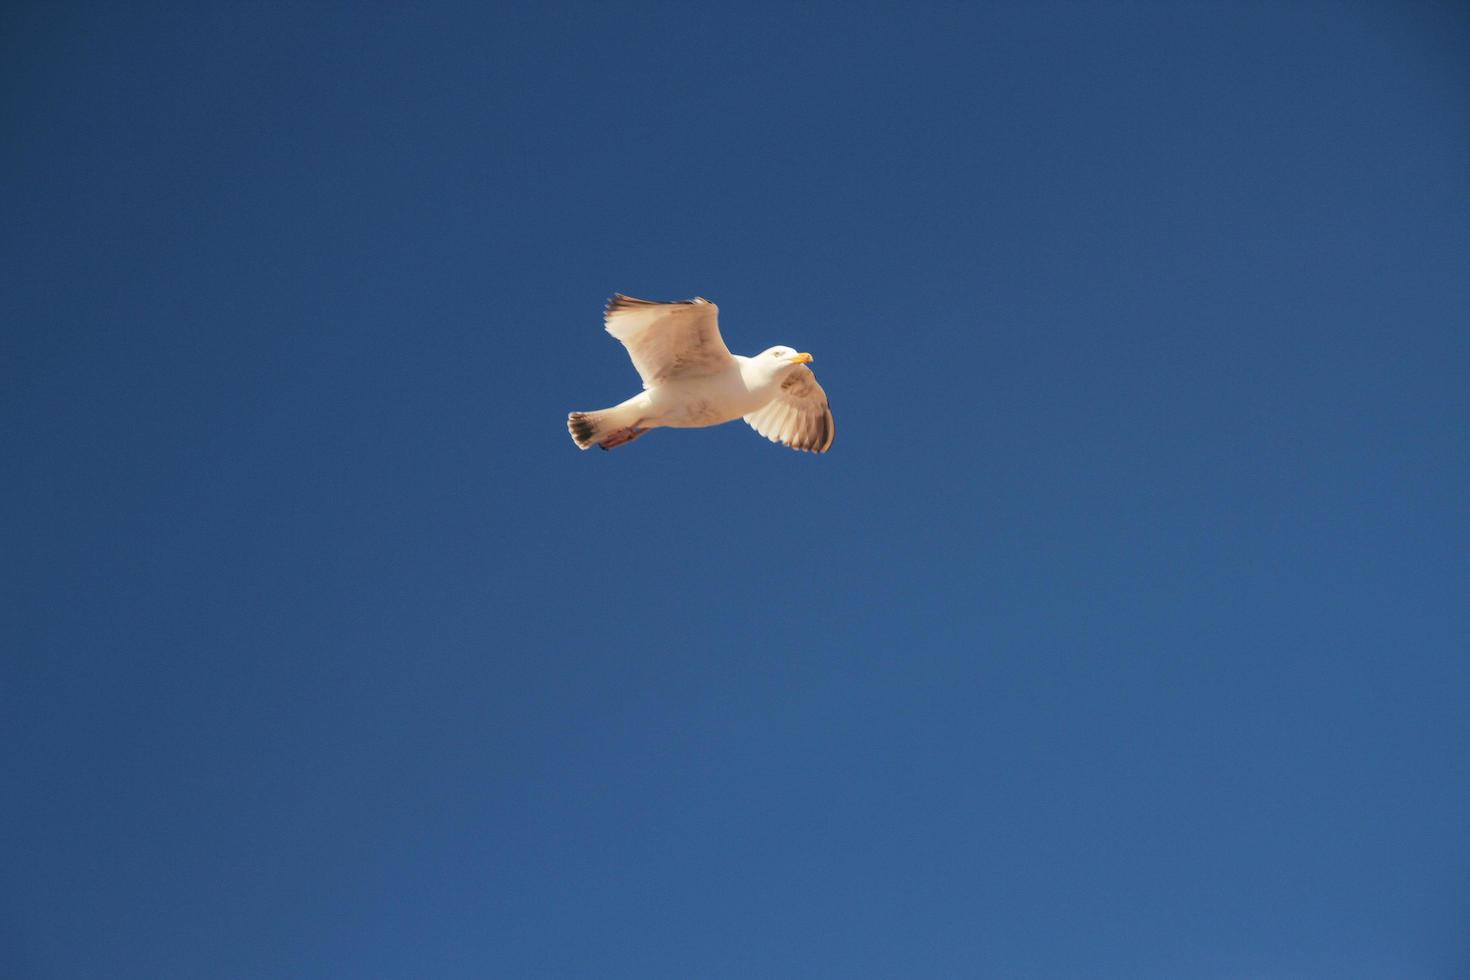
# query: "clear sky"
1125,631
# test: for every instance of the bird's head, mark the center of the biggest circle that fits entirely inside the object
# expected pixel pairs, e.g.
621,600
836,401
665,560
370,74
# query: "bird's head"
778,361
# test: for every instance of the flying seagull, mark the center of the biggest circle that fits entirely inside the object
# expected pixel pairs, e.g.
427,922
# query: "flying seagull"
691,380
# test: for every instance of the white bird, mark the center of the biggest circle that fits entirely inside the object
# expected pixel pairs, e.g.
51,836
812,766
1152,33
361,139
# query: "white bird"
691,380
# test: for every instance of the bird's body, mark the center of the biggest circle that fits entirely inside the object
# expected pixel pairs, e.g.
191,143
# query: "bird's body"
711,399
691,381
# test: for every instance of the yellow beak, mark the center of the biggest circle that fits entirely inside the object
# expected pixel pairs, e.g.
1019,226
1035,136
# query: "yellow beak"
801,359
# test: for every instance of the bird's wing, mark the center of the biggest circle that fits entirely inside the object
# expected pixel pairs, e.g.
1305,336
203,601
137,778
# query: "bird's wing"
798,416
668,340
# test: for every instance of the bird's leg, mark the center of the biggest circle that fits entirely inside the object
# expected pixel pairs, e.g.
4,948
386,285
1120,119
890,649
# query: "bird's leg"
618,437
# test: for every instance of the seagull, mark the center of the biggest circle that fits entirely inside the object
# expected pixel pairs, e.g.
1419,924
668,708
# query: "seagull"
691,380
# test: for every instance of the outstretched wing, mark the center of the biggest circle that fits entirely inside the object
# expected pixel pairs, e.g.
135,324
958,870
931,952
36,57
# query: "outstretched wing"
798,416
668,340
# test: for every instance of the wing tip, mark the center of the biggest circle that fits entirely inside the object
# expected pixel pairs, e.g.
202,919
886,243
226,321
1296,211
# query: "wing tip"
815,433
825,434
616,303
622,302
829,428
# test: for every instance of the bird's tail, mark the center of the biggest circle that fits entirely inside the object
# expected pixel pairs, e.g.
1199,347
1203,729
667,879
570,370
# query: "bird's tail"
606,429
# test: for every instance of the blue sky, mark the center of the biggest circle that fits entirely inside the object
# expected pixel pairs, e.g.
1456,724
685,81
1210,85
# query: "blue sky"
1123,632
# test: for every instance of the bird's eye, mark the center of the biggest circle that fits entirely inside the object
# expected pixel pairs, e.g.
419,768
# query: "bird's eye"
776,353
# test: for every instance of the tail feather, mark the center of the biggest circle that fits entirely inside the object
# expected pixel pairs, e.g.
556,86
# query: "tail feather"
583,427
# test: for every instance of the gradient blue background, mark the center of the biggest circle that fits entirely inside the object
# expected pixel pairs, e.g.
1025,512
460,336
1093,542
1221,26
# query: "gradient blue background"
1123,633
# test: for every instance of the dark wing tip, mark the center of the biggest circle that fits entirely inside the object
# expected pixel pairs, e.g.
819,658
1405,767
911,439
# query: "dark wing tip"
816,435
619,302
